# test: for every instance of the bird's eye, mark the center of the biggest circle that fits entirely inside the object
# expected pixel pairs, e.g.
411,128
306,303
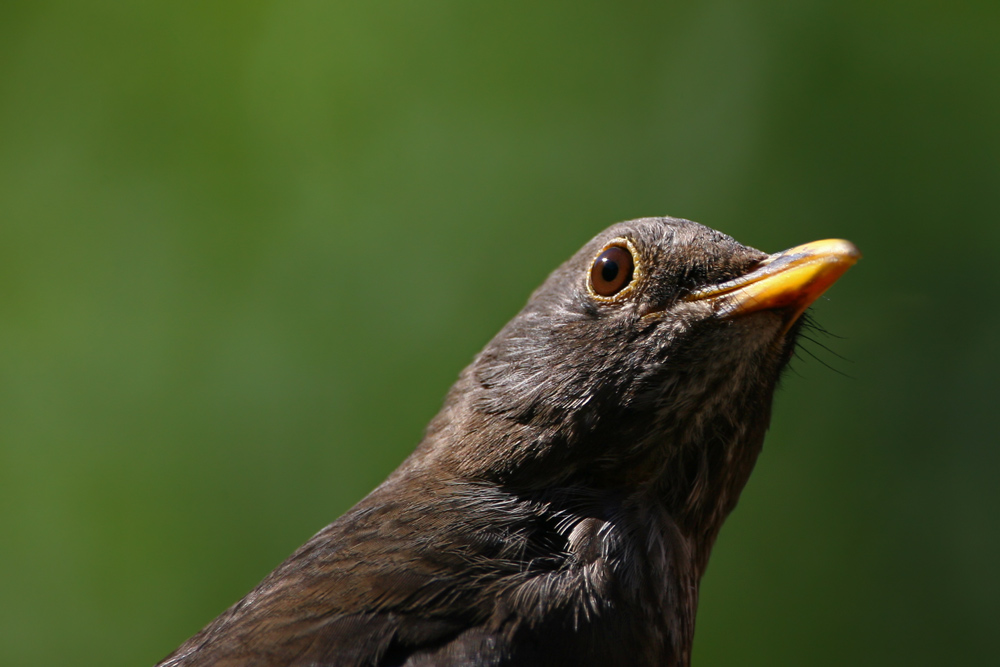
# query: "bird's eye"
612,271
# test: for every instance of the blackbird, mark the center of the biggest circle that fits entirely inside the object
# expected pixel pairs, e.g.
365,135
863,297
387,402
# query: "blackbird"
561,507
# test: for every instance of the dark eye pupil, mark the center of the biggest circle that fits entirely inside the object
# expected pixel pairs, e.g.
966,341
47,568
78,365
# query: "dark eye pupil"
610,269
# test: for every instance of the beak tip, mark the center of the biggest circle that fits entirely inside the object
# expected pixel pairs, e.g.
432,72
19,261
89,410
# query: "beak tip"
847,251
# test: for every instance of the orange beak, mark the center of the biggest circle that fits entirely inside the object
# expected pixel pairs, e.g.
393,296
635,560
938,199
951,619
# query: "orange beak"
789,280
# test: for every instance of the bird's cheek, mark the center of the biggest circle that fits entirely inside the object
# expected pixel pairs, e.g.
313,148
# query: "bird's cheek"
675,318
654,309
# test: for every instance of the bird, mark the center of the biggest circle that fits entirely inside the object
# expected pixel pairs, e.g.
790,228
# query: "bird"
562,505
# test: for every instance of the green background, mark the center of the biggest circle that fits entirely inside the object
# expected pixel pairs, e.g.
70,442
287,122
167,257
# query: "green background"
246,247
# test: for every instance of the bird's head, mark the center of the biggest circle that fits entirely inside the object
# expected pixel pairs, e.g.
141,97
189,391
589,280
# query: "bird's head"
647,360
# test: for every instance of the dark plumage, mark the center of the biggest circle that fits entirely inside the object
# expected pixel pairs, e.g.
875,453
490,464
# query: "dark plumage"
561,507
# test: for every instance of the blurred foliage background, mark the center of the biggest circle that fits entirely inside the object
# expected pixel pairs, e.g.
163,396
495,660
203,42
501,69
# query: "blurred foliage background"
246,247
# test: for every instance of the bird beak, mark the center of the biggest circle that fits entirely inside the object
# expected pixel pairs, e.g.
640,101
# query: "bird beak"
789,280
